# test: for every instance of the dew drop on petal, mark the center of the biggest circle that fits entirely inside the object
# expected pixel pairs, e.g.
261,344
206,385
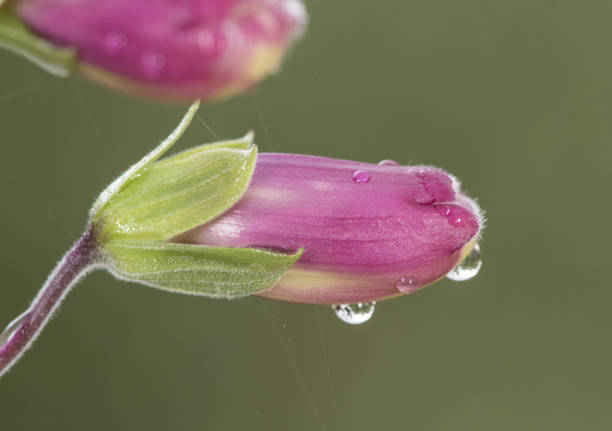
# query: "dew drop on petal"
443,210
354,314
206,40
388,162
407,284
361,176
115,42
456,220
468,268
454,214
152,63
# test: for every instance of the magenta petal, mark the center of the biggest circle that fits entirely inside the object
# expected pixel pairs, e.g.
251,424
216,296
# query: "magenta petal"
173,49
361,239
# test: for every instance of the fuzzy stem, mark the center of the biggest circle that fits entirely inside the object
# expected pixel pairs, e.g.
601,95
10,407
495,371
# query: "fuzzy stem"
19,334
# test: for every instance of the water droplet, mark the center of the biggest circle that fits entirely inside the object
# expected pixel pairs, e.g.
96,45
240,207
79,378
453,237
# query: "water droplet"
152,63
361,176
457,221
468,268
115,42
455,214
354,314
407,284
206,40
443,210
388,162
213,42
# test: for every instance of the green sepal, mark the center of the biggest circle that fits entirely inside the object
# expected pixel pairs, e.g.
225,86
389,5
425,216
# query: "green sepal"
15,37
218,272
156,200
116,186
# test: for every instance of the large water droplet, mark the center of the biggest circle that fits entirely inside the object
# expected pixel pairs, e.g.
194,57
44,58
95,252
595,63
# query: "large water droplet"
468,268
388,162
407,284
361,176
115,42
152,63
354,314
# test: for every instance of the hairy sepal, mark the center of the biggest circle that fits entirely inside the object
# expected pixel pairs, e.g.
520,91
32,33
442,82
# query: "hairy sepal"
156,200
218,272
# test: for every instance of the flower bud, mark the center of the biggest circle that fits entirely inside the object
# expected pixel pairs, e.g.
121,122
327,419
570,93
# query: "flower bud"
221,221
206,49
368,231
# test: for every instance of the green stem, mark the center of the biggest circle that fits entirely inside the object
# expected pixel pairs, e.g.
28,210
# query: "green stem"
15,37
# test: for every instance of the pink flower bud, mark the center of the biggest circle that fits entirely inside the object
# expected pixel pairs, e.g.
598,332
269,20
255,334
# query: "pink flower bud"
368,232
207,49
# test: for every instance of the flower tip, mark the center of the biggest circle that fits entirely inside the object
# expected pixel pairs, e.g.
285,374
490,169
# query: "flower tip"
195,105
249,137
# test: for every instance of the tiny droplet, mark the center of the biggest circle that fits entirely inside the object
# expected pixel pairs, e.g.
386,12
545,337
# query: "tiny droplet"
354,314
453,213
456,220
115,42
206,40
407,284
152,63
388,162
468,268
361,176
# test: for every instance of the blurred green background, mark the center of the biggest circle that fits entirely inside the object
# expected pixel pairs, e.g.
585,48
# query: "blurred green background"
514,97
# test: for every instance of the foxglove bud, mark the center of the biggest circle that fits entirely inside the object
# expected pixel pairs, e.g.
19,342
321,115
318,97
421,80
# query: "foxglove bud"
207,49
219,220
362,232
368,232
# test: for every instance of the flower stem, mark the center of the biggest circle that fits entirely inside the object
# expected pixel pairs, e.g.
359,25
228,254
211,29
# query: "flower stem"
21,332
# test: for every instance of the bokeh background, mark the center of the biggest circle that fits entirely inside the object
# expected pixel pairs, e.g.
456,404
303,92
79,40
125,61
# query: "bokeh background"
513,97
